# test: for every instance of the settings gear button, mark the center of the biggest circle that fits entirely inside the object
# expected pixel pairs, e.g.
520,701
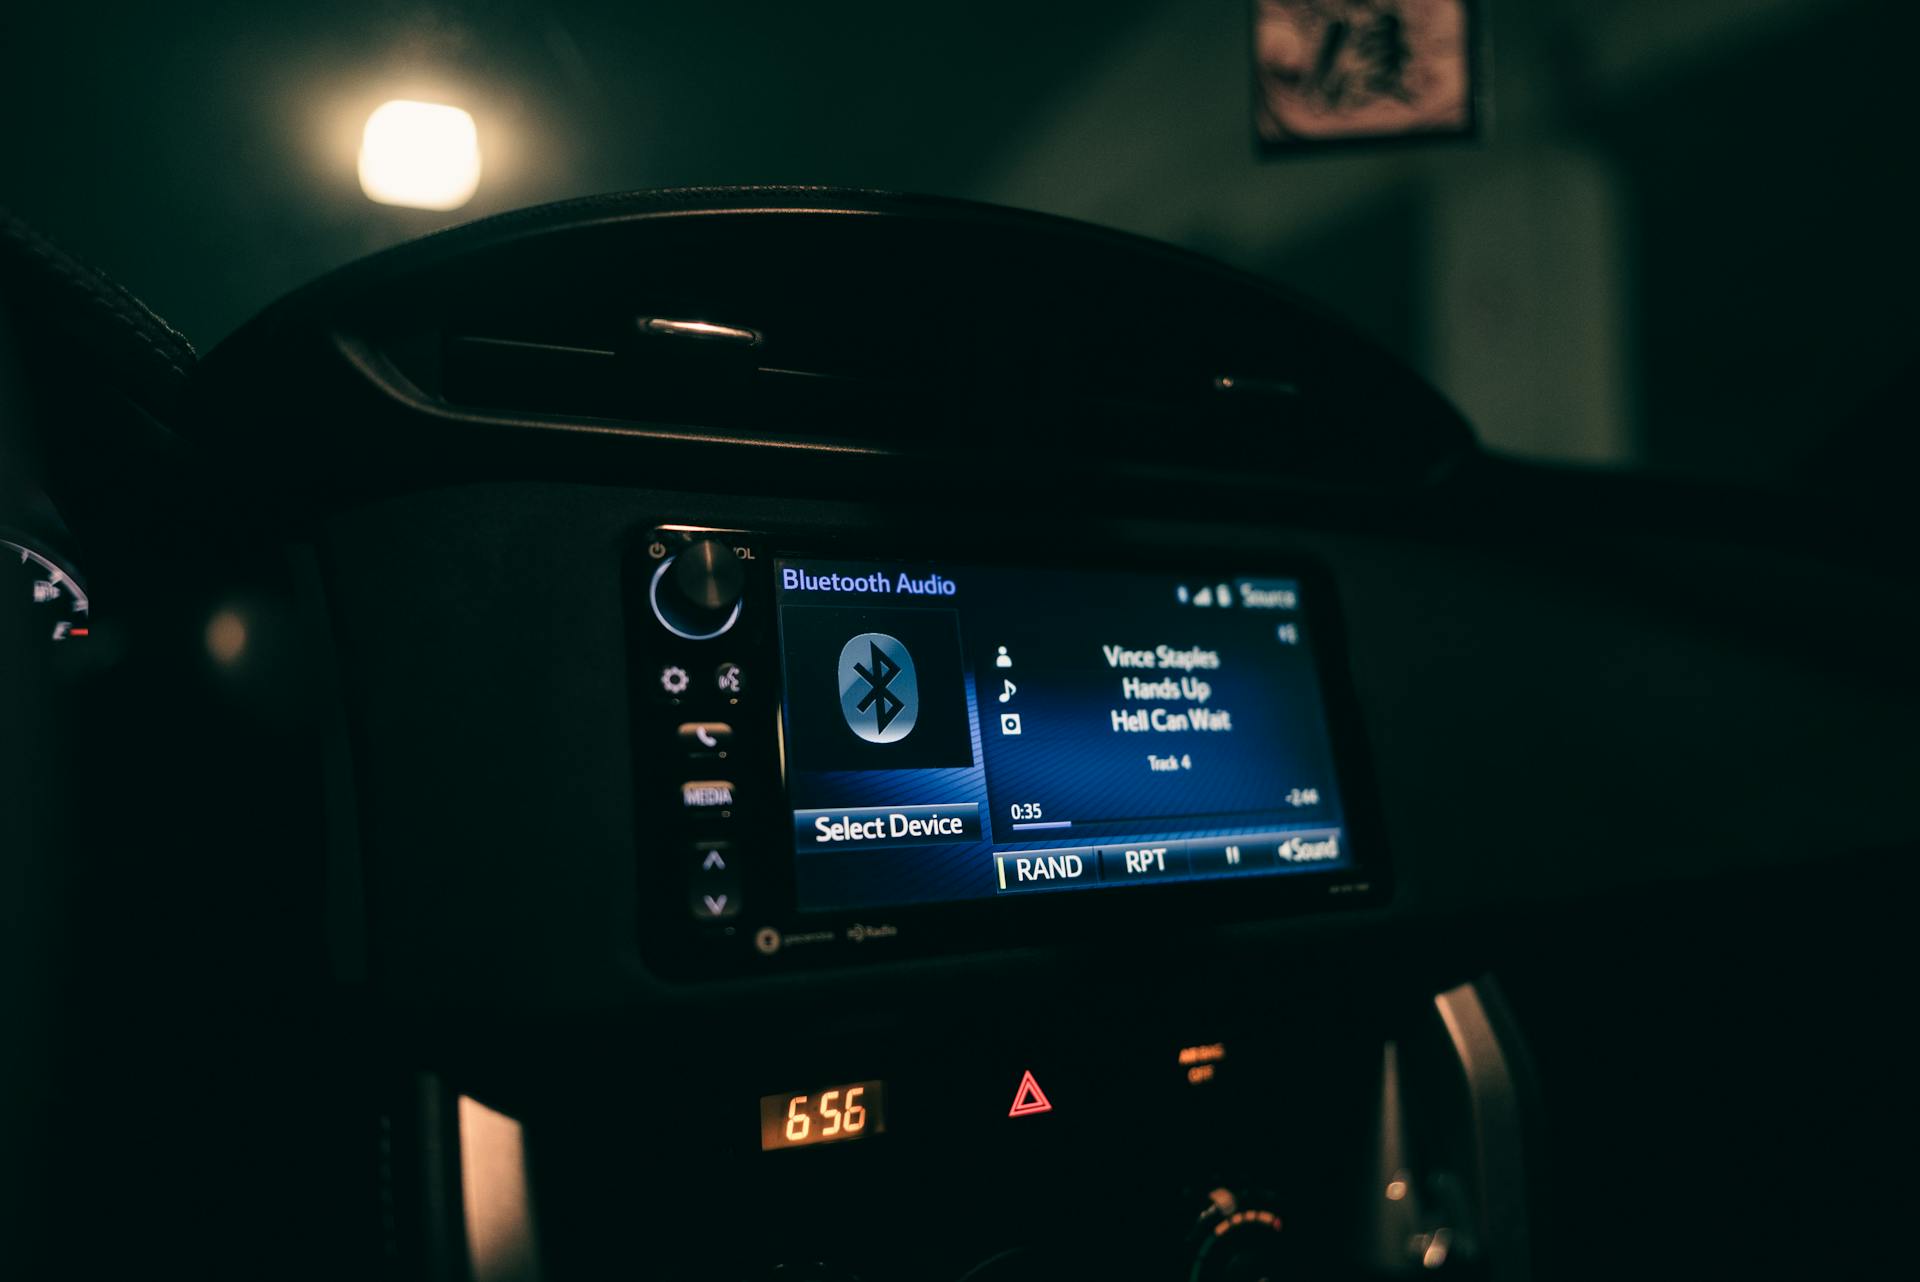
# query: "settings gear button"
674,680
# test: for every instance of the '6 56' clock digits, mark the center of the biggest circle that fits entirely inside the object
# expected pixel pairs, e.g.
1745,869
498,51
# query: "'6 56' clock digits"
829,1115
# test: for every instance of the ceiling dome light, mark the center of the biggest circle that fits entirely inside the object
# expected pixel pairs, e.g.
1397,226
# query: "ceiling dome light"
419,154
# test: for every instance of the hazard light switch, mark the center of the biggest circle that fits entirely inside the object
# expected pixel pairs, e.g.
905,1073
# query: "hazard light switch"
1029,1098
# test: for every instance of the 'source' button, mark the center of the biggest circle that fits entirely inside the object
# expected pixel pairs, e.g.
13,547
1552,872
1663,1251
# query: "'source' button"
1017,870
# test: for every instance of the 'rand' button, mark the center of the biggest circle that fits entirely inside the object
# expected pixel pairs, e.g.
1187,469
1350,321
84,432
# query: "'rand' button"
1028,870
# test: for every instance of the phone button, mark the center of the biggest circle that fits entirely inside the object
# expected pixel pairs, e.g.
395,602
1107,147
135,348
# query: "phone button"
705,740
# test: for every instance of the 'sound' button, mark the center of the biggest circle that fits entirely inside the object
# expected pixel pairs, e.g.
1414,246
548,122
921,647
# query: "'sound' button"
1308,848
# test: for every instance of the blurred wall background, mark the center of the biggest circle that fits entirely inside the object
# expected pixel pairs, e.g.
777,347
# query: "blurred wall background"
1685,240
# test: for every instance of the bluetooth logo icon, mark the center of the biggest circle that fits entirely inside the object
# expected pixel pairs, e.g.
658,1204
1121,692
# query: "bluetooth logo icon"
879,694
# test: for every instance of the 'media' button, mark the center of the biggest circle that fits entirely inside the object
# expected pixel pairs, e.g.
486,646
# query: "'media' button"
706,794
1019,870
857,827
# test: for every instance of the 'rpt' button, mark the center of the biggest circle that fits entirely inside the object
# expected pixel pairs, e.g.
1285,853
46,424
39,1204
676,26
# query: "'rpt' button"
1143,861
707,795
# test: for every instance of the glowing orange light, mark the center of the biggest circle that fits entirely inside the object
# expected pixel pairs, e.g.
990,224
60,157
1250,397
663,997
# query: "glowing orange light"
1210,1053
226,636
1199,1073
501,1237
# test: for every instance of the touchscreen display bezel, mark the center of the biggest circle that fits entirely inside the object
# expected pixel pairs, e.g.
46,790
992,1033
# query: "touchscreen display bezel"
775,934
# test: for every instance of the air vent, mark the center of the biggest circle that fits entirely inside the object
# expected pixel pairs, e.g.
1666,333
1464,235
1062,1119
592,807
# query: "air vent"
947,335
916,401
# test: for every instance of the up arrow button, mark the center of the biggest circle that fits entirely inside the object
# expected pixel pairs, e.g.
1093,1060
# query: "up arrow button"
714,862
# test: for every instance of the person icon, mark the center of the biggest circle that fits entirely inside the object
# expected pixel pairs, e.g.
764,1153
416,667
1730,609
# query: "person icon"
1003,659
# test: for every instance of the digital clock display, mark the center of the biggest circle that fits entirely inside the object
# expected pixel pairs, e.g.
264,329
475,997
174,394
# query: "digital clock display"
830,1115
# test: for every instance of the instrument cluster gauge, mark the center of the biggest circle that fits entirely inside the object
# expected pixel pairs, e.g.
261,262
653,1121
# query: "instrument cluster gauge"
1240,1238
33,581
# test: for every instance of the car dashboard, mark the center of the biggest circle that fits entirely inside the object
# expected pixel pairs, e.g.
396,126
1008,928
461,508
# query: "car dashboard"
808,734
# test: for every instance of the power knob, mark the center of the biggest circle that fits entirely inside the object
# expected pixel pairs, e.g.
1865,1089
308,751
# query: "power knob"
695,593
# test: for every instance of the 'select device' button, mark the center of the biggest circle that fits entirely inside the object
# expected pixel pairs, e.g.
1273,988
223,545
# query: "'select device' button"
1018,870
1143,861
860,827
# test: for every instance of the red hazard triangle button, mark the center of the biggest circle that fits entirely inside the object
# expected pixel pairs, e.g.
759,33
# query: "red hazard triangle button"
1029,1098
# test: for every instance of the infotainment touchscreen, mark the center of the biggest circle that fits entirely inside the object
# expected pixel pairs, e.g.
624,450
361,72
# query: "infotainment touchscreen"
965,733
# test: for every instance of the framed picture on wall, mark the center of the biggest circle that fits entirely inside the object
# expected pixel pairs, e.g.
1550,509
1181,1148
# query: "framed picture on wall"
1340,71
